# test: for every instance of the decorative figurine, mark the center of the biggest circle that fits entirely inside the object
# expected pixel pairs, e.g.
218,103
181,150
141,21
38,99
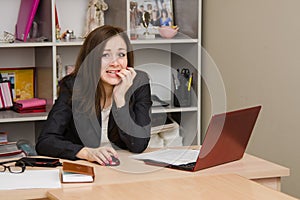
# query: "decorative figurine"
133,20
95,15
145,22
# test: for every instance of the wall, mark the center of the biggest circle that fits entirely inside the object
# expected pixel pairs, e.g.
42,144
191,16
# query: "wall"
256,46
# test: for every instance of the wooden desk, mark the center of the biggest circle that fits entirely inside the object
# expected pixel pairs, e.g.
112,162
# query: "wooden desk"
131,171
225,187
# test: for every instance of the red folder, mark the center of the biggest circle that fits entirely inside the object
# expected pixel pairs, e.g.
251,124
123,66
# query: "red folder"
25,18
30,103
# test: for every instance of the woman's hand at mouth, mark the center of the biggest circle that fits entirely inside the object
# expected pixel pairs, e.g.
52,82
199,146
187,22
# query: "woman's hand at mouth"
127,75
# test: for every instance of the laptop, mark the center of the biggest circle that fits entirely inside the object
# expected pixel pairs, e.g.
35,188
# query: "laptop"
225,141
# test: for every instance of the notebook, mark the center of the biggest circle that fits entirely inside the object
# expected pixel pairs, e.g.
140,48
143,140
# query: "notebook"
225,141
75,172
25,18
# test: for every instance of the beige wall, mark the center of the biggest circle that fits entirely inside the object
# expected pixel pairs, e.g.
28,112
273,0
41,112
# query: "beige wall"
256,46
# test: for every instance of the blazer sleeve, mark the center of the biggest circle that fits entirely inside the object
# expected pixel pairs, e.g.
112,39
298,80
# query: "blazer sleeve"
58,138
133,120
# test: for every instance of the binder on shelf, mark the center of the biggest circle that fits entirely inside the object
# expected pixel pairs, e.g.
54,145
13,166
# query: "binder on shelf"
26,15
6,98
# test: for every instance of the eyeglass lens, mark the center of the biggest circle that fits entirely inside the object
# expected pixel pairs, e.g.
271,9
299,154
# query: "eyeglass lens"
12,168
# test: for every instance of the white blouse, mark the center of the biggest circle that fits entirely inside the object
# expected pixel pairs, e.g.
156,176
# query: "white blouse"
105,116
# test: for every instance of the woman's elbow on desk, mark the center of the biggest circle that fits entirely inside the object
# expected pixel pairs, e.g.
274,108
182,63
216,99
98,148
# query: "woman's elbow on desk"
139,145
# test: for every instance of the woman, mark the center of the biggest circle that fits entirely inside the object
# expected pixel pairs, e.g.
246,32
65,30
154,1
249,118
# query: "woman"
165,20
104,104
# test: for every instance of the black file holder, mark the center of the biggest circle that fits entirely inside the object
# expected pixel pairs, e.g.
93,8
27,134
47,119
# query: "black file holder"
182,91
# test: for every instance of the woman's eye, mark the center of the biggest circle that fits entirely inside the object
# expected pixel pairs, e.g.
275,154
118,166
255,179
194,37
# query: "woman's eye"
122,54
106,55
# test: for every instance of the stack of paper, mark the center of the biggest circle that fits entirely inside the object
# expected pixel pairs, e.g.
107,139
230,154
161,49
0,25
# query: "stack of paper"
30,179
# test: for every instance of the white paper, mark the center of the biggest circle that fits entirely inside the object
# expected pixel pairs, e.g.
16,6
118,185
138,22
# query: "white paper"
69,177
170,156
30,179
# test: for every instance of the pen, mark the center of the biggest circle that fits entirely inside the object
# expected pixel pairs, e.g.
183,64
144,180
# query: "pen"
190,82
175,82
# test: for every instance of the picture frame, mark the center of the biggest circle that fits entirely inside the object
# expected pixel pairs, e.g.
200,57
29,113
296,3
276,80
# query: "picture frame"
22,81
161,14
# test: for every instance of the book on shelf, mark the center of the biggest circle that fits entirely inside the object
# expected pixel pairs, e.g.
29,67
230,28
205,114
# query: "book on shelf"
77,173
6,98
3,137
30,105
22,81
26,15
10,150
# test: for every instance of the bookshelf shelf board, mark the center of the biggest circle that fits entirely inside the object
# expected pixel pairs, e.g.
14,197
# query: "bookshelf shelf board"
26,44
79,42
164,41
169,109
12,116
73,42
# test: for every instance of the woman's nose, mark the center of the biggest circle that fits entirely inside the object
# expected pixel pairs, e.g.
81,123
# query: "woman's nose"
114,61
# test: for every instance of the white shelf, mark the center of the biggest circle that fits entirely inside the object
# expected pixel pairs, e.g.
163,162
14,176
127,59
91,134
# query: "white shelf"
12,116
17,44
158,40
169,109
71,42
164,41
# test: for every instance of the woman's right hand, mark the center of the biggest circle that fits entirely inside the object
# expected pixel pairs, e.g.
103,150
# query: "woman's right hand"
101,155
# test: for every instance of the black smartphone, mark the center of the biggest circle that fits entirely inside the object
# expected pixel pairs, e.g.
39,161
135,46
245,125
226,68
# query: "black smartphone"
39,162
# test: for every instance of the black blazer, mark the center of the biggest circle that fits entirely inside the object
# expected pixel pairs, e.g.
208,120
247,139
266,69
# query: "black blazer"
128,127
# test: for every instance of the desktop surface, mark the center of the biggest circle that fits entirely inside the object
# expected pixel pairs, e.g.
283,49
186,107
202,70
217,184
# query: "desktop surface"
130,171
207,187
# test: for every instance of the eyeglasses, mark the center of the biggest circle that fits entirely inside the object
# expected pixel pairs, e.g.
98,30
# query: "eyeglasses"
19,166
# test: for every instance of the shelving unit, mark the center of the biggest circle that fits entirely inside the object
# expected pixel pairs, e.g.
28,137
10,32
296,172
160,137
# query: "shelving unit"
158,57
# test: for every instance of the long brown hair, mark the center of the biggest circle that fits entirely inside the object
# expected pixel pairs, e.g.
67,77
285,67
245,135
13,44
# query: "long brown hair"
88,64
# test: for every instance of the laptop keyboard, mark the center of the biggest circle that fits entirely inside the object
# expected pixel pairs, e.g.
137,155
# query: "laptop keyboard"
188,165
